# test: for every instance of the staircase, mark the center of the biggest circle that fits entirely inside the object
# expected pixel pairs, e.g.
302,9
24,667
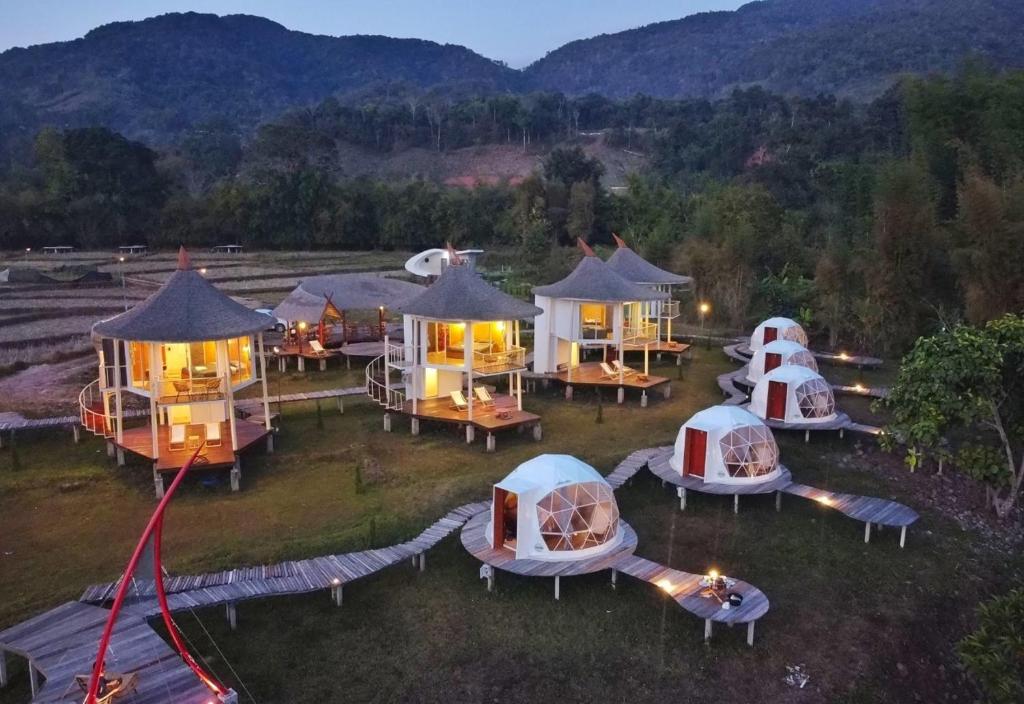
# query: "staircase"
376,371
92,413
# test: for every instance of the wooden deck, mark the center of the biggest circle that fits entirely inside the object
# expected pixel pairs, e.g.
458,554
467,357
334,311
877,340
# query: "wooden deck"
474,539
659,347
140,441
591,374
61,643
867,509
741,351
485,418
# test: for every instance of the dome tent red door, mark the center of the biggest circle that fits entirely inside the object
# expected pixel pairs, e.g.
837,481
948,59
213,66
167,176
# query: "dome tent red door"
696,452
776,407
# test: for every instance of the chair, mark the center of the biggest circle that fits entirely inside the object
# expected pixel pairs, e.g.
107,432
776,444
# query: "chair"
608,372
318,349
484,396
181,387
213,434
211,386
620,367
459,402
177,441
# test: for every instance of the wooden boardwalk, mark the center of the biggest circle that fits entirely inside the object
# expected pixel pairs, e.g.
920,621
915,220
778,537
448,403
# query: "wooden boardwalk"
867,509
61,643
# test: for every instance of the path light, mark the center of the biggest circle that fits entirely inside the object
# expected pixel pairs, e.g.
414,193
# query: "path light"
203,271
859,388
704,308
665,584
843,356
336,581
824,500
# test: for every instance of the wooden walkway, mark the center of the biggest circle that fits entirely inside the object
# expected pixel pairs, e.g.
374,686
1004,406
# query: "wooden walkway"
61,643
741,352
867,509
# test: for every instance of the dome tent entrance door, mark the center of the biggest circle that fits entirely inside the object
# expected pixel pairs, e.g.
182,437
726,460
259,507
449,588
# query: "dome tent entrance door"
770,335
696,452
506,519
776,400
772,360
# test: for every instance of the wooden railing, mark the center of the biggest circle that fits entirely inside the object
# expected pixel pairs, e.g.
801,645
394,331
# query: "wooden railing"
497,362
639,333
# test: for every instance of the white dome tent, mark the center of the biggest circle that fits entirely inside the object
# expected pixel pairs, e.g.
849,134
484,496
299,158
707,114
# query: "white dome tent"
554,507
726,445
793,395
776,354
777,329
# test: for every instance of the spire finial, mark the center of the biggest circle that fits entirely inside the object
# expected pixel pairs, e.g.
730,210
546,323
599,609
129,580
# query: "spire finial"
619,242
184,262
587,251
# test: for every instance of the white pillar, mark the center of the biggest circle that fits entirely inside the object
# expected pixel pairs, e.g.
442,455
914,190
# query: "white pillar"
232,614
903,536
117,391
336,592
681,492
750,633
519,390
647,359
707,629
387,384
467,362
867,531
263,380
622,327
154,395
778,500
558,587
224,369
735,503
3,669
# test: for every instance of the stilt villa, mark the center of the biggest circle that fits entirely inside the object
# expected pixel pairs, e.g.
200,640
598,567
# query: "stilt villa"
459,334
594,308
632,267
182,355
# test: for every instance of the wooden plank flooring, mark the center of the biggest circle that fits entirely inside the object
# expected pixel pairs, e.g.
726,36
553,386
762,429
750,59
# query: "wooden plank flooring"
591,374
441,410
139,440
862,508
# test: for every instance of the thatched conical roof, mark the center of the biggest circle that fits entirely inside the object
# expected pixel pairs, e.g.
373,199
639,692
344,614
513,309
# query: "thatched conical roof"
632,267
187,308
594,280
460,294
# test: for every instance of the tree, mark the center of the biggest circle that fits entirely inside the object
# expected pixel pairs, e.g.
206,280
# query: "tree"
581,210
831,304
570,166
992,264
971,380
994,653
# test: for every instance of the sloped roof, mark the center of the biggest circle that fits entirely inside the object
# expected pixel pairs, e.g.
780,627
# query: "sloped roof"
594,280
347,292
460,294
722,418
632,267
187,308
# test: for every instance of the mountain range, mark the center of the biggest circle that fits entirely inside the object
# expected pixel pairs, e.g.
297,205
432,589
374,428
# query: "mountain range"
154,79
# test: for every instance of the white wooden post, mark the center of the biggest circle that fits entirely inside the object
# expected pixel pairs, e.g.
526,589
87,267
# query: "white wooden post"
615,578
423,561
154,396
117,396
3,669
263,380
681,492
778,500
336,592
621,330
647,358
903,536
467,362
735,503
707,629
867,531
223,363
558,587
232,614
750,633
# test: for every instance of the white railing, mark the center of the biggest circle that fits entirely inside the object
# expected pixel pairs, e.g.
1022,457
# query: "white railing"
398,356
669,310
594,331
390,398
639,333
94,421
202,388
498,362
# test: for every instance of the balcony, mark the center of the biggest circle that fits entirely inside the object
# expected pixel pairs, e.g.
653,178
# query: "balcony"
669,310
498,362
591,331
189,390
639,333
398,356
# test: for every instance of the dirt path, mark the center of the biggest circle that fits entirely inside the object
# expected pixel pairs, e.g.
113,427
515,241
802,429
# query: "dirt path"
47,389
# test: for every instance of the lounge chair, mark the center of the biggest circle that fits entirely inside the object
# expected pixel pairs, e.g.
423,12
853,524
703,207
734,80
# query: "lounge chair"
459,402
620,367
112,685
318,349
213,434
608,372
177,441
181,387
484,396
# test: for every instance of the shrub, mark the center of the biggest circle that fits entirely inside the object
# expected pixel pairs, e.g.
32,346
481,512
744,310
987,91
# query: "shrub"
994,653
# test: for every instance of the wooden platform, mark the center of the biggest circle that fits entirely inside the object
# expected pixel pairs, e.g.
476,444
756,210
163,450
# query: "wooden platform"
362,349
442,411
591,374
474,539
659,347
62,642
869,510
140,441
741,352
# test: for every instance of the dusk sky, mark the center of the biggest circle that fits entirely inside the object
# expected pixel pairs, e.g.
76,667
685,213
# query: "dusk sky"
518,32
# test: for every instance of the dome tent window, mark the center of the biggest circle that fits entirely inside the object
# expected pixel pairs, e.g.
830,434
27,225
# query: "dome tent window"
749,451
815,399
578,516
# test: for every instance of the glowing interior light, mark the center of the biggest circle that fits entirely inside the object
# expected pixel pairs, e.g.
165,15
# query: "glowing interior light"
824,500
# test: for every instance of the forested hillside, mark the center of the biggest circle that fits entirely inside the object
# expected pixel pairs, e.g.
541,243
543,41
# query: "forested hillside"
845,47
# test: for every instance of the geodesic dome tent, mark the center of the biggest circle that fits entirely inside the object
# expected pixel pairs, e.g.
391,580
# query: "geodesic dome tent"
554,507
794,395
726,445
777,329
776,354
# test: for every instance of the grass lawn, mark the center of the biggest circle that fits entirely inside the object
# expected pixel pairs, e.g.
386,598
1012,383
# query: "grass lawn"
871,623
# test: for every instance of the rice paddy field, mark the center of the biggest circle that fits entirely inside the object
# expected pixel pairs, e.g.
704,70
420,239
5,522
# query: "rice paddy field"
46,325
